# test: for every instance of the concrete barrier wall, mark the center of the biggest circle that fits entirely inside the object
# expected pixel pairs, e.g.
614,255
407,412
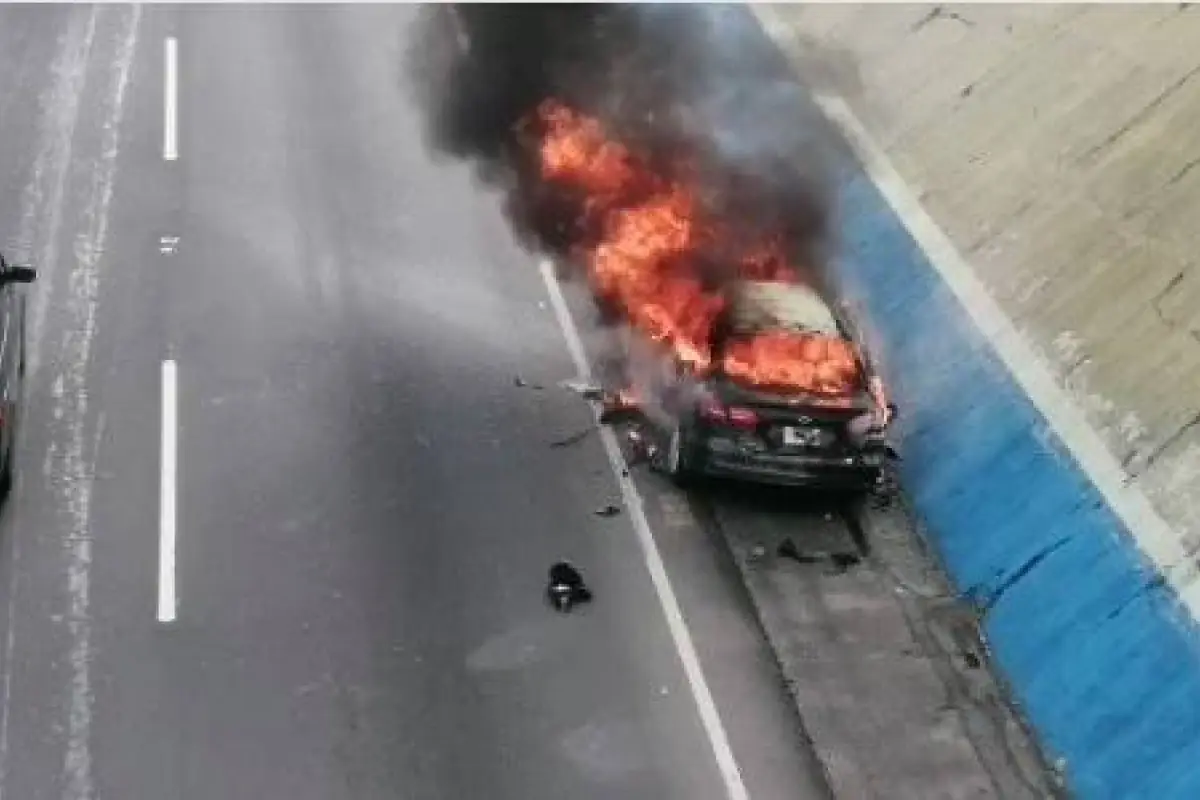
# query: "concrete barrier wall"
1017,233
1056,146
1101,659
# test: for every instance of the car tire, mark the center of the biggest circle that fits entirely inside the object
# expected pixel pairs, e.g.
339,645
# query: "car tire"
8,468
675,463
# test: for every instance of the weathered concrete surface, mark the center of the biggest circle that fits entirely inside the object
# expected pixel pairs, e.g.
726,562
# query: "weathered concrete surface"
1056,146
885,663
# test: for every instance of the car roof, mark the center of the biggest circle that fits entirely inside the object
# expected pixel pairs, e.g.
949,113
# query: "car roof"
763,305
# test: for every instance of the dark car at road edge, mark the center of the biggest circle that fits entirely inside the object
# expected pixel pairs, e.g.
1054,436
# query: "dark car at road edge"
12,362
717,427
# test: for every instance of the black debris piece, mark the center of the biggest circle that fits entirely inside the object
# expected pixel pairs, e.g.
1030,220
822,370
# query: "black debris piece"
787,549
841,561
585,389
566,587
844,561
521,383
608,511
887,488
574,438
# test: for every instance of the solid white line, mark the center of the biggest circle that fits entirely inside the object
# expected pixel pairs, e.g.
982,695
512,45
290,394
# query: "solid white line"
1164,546
167,601
711,719
171,100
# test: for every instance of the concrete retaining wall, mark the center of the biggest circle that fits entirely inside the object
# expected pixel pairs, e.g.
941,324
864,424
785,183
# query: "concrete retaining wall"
1044,349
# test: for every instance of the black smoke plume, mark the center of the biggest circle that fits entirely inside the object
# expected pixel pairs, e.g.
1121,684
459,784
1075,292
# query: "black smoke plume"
699,80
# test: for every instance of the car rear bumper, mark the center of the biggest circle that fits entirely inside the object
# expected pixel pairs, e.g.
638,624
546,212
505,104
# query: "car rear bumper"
851,473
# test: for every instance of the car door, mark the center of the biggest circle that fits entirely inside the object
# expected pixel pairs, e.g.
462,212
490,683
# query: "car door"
10,356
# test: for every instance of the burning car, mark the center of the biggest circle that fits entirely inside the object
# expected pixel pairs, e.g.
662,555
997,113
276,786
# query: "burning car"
732,350
746,419
699,223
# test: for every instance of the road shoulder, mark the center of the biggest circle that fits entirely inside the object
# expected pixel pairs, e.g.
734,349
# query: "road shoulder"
886,666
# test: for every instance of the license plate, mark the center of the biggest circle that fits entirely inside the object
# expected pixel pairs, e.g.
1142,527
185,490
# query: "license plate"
802,437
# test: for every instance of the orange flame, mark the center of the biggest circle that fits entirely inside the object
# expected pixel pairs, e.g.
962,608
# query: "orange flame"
782,361
651,233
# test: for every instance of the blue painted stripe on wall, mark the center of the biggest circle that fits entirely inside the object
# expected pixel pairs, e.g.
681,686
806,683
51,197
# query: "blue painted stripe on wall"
1104,663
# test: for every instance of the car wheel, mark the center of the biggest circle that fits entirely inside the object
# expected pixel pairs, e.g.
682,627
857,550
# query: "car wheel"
675,464
7,468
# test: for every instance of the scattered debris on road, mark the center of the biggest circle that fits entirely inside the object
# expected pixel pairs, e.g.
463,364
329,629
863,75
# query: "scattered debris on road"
521,383
788,549
574,438
845,560
887,491
585,389
566,587
615,407
841,561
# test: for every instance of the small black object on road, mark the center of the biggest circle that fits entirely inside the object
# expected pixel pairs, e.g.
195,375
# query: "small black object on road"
566,587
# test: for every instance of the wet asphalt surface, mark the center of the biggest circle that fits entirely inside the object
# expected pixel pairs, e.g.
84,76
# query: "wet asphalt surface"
367,500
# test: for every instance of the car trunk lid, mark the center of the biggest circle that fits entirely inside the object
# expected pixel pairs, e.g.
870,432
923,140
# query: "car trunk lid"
790,423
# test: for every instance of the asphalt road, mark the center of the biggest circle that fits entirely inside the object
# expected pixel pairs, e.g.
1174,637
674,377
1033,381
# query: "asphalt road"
366,502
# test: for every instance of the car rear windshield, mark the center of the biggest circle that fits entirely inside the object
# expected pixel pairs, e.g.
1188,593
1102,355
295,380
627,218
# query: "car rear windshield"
765,306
